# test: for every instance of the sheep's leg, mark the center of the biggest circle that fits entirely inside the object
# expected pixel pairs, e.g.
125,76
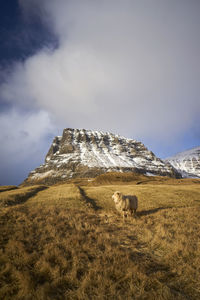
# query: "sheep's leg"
124,215
135,214
131,213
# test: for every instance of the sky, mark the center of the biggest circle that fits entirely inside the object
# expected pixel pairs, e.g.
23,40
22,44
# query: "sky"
130,67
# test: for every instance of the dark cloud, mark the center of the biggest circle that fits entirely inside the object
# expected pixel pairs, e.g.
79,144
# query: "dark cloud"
22,34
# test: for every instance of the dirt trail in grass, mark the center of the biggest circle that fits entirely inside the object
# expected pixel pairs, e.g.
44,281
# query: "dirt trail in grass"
17,196
7,188
91,202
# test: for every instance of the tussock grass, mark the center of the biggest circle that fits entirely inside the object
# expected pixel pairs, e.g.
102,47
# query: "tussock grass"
136,178
65,196
58,245
150,195
17,196
5,188
119,178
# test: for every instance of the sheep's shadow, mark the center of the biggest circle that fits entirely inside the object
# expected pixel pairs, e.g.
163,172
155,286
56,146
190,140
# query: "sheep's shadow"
151,211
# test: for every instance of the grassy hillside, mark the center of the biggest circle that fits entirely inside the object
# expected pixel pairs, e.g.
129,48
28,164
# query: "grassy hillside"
15,196
68,242
7,188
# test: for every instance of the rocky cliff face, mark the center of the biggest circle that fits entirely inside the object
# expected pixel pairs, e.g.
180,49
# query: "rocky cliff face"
187,162
86,153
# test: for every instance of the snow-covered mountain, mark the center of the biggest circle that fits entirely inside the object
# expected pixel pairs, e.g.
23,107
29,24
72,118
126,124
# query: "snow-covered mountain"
187,162
86,153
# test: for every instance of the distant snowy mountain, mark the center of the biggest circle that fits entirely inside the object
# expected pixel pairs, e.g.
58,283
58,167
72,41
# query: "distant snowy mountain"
187,162
86,153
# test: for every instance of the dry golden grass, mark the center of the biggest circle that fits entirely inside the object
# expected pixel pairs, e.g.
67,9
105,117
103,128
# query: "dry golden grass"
150,195
5,188
119,178
135,178
63,196
17,196
68,242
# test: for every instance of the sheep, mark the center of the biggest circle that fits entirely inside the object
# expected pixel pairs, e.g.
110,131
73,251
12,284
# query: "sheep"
125,203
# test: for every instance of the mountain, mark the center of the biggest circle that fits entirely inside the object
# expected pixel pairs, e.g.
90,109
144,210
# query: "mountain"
187,162
86,153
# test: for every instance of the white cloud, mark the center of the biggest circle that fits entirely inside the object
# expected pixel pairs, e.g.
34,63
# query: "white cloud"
131,67
23,136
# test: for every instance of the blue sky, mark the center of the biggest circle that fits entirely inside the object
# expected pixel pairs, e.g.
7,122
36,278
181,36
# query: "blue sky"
125,66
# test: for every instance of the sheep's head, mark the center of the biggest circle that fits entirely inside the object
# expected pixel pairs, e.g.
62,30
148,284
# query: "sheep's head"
117,196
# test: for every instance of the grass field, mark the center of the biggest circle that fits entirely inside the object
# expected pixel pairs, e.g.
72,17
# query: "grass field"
68,242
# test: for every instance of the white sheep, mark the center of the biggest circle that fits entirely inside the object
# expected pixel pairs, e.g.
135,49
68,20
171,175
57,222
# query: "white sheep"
125,203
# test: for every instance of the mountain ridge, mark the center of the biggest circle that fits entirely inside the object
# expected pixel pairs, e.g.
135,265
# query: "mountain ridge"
187,162
87,153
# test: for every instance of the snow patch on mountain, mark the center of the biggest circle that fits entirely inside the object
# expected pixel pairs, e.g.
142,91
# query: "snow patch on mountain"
87,153
187,162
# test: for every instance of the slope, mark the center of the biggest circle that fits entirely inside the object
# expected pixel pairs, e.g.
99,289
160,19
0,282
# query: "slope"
187,162
85,153
68,242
